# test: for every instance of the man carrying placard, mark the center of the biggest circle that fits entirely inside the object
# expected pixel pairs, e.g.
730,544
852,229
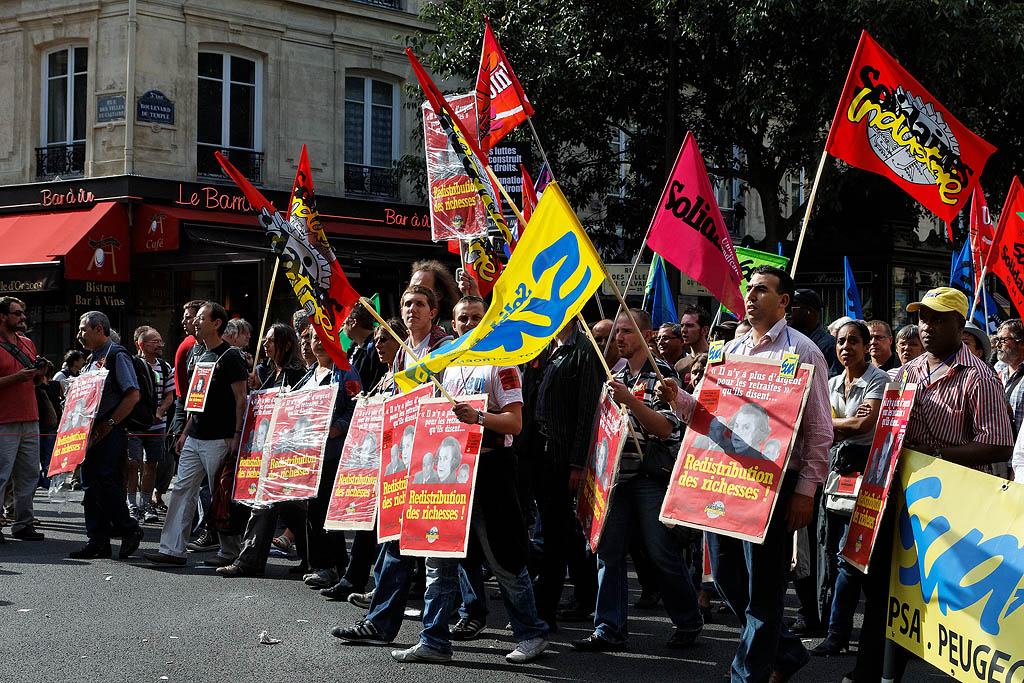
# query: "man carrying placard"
752,577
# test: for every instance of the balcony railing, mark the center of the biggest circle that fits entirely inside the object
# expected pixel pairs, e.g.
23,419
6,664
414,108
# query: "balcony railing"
390,4
248,163
60,160
371,181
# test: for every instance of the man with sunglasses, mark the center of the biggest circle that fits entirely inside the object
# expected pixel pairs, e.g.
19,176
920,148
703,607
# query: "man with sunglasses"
19,416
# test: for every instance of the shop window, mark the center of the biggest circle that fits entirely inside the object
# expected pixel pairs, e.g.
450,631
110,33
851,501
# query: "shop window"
64,94
371,137
229,115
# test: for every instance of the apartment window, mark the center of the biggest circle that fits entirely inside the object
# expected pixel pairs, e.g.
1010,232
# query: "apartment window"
229,114
797,187
62,134
371,136
620,147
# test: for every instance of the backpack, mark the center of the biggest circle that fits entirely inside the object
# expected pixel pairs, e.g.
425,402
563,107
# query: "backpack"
143,415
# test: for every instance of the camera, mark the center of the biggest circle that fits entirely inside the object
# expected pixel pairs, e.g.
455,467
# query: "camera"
39,363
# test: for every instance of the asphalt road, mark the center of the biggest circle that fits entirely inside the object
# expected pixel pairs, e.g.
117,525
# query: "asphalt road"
113,620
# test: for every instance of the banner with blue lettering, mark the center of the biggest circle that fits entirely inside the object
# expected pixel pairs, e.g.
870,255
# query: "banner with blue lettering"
956,585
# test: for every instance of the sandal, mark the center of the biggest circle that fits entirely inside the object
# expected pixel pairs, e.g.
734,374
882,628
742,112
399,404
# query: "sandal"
283,543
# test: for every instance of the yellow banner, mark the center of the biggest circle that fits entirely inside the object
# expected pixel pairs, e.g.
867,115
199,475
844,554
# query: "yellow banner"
956,590
551,274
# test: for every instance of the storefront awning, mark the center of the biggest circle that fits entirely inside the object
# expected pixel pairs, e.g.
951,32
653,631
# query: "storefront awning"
93,243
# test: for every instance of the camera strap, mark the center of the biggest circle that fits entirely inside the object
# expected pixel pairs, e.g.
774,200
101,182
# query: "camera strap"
18,354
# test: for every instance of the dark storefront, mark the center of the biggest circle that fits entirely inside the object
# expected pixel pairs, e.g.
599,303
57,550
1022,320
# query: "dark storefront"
139,248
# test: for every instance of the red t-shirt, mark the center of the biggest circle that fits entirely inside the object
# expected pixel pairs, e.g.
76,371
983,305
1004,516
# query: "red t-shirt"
18,401
180,358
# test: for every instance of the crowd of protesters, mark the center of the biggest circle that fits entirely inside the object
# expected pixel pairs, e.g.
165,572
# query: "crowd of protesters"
524,533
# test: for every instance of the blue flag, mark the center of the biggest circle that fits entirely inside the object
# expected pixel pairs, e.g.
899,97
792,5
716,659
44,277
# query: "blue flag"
961,276
853,308
658,295
961,272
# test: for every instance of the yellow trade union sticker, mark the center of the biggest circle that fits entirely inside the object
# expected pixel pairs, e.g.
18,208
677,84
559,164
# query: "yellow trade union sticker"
790,361
716,352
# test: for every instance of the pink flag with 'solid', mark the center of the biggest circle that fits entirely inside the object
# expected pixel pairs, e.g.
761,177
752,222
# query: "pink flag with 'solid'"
689,232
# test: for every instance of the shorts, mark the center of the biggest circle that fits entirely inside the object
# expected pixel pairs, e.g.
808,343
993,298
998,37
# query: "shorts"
152,444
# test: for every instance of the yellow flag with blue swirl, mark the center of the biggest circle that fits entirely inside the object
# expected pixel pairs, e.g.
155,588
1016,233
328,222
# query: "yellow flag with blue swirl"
551,274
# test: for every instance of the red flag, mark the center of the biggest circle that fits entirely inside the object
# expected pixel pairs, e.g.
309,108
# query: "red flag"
529,198
689,232
454,246
887,123
981,232
501,104
483,263
306,257
1006,259
464,145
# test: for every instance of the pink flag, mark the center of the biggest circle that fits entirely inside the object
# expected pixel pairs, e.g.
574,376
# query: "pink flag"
689,232
981,231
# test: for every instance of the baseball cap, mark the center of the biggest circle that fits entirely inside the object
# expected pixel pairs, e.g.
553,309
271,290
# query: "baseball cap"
942,299
808,297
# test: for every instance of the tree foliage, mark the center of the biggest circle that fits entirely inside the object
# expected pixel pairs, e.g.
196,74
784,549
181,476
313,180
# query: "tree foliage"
762,77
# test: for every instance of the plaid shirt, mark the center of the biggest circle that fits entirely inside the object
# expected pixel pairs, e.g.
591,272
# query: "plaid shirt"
1014,395
655,449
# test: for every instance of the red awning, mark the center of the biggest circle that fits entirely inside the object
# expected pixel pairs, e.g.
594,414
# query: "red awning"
93,243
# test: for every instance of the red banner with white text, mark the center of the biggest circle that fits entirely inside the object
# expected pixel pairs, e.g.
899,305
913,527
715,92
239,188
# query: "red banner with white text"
602,471
255,430
353,504
80,407
398,425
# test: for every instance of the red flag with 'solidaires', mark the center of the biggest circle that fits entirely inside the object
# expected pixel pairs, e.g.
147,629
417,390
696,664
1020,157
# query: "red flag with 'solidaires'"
887,123
1006,258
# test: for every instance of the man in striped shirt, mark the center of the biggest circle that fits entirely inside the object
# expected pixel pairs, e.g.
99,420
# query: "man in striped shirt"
959,415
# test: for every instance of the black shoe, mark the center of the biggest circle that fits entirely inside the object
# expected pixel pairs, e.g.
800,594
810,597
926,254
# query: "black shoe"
27,533
681,639
92,551
130,543
648,600
363,632
595,643
205,543
216,561
468,629
339,591
801,627
832,645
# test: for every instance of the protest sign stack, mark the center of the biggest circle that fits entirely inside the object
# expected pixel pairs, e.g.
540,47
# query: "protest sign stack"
398,425
353,504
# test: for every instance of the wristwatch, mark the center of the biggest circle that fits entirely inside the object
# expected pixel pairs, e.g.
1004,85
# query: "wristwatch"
110,421
480,417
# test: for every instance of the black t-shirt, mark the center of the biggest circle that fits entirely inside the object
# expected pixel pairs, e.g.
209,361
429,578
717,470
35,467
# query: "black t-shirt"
217,421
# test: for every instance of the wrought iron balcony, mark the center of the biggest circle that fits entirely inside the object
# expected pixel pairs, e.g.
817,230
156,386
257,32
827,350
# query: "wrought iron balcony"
371,181
248,163
390,4
60,160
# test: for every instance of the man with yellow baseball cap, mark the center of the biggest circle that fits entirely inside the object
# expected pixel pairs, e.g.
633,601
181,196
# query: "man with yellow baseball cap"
943,300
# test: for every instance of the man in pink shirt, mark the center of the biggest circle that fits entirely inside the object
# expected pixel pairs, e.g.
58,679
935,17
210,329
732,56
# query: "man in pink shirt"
19,416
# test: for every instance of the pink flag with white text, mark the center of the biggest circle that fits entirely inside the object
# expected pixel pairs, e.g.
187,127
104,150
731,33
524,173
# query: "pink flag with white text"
689,232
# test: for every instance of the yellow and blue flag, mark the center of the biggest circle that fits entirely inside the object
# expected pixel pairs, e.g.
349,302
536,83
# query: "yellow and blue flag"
551,275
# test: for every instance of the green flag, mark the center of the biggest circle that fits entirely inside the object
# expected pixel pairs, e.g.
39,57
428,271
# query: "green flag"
750,259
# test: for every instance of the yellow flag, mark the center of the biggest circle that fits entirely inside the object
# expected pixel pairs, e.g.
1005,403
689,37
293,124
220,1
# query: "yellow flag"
551,274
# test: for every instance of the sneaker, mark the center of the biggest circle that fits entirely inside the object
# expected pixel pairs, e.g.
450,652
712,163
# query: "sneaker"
133,511
468,629
362,600
363,632
527,650
421,654
339,591
92,551
205,543
149,515
321,578
164,558
595,643
130,543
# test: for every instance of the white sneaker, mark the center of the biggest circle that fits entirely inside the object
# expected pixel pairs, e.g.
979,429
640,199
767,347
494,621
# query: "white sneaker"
527,651
420,653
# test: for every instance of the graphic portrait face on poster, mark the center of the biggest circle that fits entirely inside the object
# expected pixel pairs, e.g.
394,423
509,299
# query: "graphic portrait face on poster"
255,432
439,505
199,387
886,445
456,211
398,426
293,456
353,504
734,453
602,470
80,407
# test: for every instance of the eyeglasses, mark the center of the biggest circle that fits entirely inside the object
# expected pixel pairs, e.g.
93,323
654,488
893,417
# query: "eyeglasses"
20,314
665,338
1002,341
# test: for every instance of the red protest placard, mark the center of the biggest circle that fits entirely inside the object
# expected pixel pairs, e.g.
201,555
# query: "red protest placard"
293,456
731,463
396,435
255,429
456,211
199,387
353,504
874,489
602,470
76,423
440,501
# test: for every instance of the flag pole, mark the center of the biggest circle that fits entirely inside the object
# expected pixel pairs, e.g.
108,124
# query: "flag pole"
977,294
984,302
368,305
636,328
266,312
807,213
536,140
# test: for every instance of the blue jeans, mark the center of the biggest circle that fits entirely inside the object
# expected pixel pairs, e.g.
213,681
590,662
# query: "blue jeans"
393,574
443,587
845,596
752,578
474,601
635,507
